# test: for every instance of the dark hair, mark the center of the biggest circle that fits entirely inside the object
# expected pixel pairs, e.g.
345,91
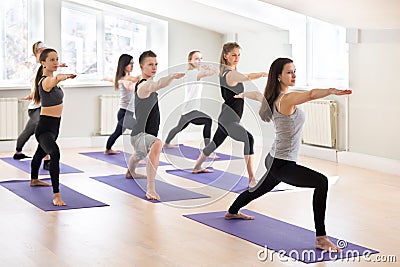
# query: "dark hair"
272,89
43,56
123,61
191,53
228,47
146,54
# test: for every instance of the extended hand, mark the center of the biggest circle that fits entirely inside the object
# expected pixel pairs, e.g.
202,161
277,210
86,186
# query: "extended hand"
335,91
178,75
241,95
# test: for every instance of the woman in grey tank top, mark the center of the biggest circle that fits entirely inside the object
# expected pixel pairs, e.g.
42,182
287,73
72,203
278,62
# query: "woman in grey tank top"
126,86
280,106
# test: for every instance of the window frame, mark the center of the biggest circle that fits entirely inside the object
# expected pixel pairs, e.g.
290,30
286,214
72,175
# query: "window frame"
35,32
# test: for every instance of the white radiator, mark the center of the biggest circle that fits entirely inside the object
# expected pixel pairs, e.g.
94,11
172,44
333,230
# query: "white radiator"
8,118
109,106
320,123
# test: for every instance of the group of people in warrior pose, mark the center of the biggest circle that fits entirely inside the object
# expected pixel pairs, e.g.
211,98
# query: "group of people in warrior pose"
139,112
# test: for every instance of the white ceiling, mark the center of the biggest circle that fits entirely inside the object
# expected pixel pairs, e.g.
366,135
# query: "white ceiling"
361,14
229,16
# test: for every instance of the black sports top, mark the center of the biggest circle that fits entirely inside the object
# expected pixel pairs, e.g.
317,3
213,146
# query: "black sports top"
147,113
228,93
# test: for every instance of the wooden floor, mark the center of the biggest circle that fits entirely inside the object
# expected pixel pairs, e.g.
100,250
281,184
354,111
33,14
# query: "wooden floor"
363,208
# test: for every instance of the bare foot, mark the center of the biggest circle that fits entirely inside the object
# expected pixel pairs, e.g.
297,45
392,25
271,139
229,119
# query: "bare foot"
239,215
37,182
324,243
111,152
213,156
152,195
57,201
252,182
130,175
170,146
197,171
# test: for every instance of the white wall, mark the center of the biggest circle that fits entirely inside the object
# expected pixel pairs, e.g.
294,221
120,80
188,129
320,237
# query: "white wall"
374,108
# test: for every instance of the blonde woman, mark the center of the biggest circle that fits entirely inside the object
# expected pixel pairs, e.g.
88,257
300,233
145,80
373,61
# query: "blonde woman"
231,82
191,108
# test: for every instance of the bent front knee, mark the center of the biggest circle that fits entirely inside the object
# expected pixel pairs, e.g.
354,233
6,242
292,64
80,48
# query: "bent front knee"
323,183
156,146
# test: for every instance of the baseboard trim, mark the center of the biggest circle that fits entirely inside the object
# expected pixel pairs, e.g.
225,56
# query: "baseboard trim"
318,152
365,161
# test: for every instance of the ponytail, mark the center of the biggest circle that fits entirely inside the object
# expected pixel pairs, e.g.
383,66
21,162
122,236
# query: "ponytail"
39,74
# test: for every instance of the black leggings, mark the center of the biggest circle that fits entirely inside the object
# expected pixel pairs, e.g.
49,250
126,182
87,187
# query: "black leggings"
235,131
279,170
125,121
46,134
195,117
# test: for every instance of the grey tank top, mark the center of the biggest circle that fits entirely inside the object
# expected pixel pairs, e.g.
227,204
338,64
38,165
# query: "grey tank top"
52,98
288,133
127,100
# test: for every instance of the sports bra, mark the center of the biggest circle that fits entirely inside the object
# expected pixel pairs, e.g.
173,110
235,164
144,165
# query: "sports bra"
52,98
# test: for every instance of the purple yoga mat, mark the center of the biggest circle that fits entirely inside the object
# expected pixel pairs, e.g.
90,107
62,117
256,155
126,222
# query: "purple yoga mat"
284,238
42,196
25,165
193,153
220,179
116,159
137,187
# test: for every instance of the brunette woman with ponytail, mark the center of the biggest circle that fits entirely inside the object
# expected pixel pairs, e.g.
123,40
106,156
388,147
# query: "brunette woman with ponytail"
51,96
125,84
280,106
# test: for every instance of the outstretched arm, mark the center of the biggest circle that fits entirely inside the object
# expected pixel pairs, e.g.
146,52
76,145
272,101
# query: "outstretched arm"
255,76
146,88
234,77
297,98
207,71
28,97
49,82
129,82
253,95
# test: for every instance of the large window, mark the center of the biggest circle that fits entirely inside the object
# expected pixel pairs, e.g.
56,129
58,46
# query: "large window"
93,38
14,48
327,54
79,40
122,35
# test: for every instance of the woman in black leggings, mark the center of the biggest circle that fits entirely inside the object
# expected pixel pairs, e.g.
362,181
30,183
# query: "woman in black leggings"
191,109
125,83
51,97
281,107
231,83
